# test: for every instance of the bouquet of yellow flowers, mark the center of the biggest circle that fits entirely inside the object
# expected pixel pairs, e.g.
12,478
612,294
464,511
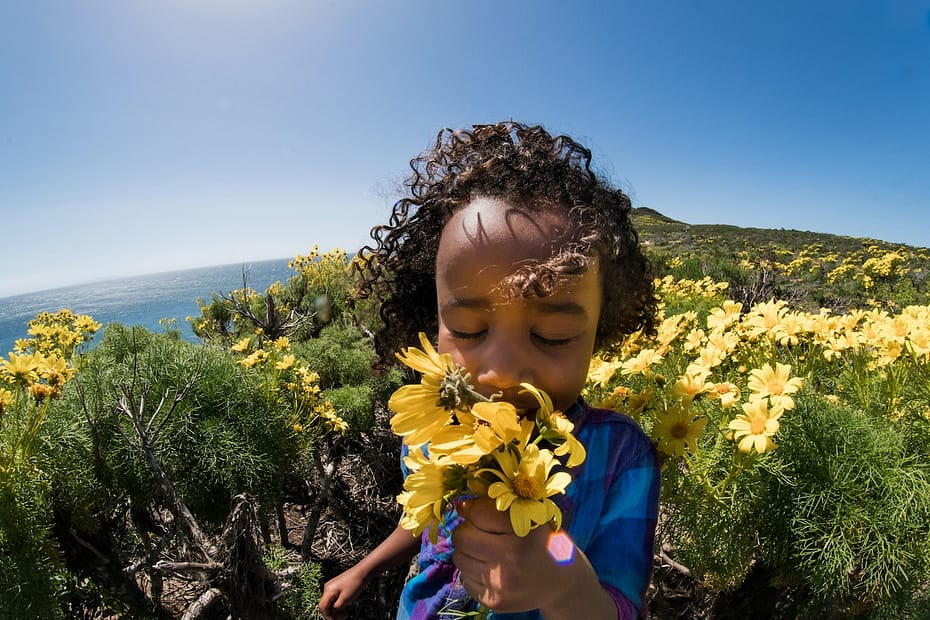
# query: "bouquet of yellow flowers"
464,444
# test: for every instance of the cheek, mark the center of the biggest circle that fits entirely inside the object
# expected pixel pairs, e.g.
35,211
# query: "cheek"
566,380
446,344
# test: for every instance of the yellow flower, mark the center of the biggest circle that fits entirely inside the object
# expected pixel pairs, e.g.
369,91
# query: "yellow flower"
428,490
754,428
418,411
41,391
676,429
286,362
554,427
525,486
723,342
638,401
887,351
54,369
765,317
256,357
615,398
487,427
788,330
920,343
20,368
242,345
727,393
6,399
690,385
641,364
333,421
427,362
775,384
421,410
83,323
708,358
723,317
601,371
694,340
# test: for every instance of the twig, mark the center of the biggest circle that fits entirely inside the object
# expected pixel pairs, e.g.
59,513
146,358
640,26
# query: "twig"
88,546
681,568
165,566
203,602
326,479
175,504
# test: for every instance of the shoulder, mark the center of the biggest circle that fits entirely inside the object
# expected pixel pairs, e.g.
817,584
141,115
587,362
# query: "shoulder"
617,437
590,420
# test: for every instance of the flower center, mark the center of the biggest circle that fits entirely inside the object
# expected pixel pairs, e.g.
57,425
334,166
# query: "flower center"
454,478
757,425
525,487
679,430
454,390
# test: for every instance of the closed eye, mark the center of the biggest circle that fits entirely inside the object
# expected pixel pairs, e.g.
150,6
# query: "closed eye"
467,335
552,342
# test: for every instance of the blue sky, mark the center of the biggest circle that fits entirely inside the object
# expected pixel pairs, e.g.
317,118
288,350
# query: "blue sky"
138,137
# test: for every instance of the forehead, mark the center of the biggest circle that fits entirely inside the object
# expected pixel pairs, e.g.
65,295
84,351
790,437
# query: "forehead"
499,236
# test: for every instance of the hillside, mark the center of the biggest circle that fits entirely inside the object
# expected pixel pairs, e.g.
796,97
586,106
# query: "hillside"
809,269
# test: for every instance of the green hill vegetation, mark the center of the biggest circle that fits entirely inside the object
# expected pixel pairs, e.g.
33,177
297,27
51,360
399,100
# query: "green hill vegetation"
807,269
786,390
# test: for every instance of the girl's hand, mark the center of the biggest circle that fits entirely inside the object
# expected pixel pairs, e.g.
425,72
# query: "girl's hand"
339,592
499,569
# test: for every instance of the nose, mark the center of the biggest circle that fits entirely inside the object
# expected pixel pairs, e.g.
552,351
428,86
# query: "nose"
502,367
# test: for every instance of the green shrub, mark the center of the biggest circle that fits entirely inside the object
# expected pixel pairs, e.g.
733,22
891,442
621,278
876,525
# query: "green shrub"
856,503
222,436
341,355
29,566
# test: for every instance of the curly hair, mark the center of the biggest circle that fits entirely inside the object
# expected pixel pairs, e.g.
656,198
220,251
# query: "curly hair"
520,164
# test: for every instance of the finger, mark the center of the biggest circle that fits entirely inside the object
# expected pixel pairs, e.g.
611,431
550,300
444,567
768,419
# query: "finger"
475,588
332,605
335,612
326,605
484,515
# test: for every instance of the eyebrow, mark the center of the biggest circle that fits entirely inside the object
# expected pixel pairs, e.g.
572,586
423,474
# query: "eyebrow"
542,304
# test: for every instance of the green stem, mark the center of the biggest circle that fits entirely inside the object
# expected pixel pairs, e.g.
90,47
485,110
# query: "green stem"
736,467
692,468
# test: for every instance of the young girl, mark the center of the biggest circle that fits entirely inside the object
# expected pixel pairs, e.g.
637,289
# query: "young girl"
523,263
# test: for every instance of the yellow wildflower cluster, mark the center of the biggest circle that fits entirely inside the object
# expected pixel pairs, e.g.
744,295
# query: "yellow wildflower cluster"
41,364
703,287
291,379
43,376
884,265
60,332
895,275
874,263
321,271
730,374
33,375
462,443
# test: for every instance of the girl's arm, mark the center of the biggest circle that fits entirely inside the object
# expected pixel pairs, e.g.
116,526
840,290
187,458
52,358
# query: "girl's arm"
340,591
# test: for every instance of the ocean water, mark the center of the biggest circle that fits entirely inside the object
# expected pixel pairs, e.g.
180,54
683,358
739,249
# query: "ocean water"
139,300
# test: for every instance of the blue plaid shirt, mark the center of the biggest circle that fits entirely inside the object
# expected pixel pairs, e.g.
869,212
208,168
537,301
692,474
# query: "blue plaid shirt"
609,510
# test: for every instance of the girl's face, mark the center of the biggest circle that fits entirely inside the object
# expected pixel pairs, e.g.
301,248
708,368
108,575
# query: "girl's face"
504,340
